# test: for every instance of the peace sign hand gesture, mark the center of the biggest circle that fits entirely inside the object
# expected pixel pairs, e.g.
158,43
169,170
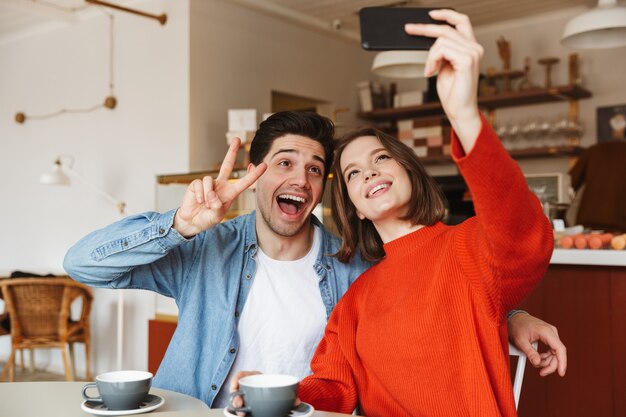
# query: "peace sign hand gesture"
206,201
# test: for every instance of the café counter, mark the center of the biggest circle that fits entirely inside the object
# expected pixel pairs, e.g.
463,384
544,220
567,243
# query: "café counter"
604,257
583,294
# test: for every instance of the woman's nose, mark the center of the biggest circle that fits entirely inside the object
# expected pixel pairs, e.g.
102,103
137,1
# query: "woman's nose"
370,174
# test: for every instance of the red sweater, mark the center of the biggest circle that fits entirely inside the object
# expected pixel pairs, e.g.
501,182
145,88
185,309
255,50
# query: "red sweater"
423,332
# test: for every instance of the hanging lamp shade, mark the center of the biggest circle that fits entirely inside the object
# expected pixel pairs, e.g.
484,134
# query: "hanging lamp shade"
604,26
400,64
55,176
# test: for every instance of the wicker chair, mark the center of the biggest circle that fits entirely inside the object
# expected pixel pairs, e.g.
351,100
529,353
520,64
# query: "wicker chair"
5,330
40,318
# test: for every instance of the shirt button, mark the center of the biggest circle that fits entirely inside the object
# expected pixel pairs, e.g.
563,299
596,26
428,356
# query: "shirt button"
161,230
125,243
232,350
214,387
236,314
248,276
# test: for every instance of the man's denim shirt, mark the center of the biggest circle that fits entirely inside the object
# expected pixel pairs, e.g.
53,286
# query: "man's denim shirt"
209,276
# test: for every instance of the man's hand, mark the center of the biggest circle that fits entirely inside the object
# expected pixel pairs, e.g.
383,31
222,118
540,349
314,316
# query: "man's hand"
206,201
234,386
525,329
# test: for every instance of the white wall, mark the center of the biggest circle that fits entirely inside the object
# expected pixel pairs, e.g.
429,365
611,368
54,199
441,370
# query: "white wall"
239,56
120,151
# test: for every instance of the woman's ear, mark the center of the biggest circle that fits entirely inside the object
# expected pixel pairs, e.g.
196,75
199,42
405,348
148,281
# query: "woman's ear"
251,167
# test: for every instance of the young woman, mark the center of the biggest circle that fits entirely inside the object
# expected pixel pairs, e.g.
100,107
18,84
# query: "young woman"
423,332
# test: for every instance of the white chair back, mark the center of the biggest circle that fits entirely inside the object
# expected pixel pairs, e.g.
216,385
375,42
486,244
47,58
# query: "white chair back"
519,371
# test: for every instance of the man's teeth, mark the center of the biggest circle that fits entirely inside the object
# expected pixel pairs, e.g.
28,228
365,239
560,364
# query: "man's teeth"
377,188
292,197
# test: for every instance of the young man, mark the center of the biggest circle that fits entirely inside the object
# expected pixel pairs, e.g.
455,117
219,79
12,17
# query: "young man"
225,323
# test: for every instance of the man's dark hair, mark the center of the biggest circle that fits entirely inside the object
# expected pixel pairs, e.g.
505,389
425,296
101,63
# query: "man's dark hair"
307,124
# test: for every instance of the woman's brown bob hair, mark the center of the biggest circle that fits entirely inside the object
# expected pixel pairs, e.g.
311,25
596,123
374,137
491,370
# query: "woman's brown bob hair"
428,202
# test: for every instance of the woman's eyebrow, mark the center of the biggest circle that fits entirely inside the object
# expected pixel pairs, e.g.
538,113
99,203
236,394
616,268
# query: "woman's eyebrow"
374,152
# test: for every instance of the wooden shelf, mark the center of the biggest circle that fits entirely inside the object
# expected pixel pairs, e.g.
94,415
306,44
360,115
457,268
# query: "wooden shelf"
422,110
512,99
536,96
566,93
547,152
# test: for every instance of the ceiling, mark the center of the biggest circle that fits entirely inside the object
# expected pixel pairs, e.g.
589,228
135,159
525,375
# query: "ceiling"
21,17
345,12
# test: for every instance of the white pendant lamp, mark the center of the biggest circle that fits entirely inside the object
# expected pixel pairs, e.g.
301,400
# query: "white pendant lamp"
55,176
602,27
400,64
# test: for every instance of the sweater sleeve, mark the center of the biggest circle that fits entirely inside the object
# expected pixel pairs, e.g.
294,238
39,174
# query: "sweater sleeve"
506,249
332,386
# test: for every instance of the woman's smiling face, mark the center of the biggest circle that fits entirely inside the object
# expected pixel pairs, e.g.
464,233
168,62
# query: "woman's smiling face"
378,186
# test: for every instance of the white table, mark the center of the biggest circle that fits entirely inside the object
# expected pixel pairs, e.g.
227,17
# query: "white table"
63,399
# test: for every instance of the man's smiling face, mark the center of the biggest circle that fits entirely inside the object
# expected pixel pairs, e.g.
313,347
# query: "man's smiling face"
292,186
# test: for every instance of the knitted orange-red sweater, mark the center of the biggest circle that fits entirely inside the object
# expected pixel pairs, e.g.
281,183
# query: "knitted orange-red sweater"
423,332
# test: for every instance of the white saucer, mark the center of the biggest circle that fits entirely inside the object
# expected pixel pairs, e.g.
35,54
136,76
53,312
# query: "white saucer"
303,410
151,402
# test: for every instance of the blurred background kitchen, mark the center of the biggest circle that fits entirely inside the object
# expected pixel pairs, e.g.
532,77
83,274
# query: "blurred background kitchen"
132,107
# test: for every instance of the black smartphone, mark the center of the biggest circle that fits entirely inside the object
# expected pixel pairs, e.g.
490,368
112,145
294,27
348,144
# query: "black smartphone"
382,28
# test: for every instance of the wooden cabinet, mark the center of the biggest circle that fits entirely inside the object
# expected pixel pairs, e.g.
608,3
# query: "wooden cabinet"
569,94
588,306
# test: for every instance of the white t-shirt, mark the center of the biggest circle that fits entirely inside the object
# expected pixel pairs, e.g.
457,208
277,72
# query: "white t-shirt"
282,321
